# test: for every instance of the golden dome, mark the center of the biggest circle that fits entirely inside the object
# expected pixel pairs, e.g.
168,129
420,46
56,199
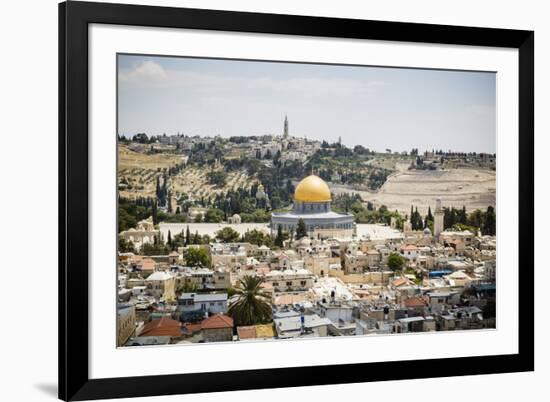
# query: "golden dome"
312,189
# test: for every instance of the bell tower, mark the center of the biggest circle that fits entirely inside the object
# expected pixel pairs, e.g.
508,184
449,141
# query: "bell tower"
438,218
285,129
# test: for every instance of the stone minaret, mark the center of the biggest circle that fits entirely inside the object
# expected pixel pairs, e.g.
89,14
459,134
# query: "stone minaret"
285,130
438,218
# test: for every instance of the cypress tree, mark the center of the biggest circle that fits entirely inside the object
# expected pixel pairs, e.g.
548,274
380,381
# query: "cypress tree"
157,191
301,230
168,203
154,213
489,224
279,237
462,217
187,236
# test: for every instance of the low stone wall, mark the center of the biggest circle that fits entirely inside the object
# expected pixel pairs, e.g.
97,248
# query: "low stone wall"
371,278
328,233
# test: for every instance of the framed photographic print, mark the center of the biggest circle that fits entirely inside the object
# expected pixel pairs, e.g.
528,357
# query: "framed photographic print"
258,200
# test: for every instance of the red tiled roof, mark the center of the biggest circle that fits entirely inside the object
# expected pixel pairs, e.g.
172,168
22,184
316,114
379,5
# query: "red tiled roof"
400,281
162,327
217,321
415,302
192,328
148,264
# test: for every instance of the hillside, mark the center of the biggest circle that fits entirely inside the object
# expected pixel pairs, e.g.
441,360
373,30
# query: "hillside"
140,172
473,188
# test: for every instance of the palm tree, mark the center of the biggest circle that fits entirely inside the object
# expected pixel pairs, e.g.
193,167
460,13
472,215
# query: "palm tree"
252,304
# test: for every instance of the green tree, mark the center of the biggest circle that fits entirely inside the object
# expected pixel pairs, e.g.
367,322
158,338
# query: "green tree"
280,238
154,213
430,217
252,305
489,224
157,248
259,215
416,219
301,230
213,215
196,257
258,238
125,246
158,191
462,217
178,240
395,261
227,235
217,178
476,218
187,236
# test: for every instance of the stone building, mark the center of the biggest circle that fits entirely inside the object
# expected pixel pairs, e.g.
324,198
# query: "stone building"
218,328
290,280
144,233
126,323
161,284
438,218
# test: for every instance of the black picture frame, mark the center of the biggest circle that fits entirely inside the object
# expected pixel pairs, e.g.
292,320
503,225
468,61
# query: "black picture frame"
74,18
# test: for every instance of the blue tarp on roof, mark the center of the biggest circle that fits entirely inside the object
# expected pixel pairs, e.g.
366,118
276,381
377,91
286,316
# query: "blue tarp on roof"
440,273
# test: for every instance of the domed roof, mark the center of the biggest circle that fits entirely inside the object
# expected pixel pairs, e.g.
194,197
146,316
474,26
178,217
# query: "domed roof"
312,189
305,242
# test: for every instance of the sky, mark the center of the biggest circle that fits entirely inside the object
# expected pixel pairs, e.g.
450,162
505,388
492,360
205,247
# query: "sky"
377,107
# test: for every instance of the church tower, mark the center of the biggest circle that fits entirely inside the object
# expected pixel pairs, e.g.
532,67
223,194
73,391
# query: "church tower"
438,218
285,130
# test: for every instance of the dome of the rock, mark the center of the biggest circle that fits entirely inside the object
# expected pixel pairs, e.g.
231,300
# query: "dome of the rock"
312,189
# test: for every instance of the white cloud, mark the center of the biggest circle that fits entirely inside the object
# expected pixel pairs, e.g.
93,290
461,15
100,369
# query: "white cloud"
147,71
151,75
